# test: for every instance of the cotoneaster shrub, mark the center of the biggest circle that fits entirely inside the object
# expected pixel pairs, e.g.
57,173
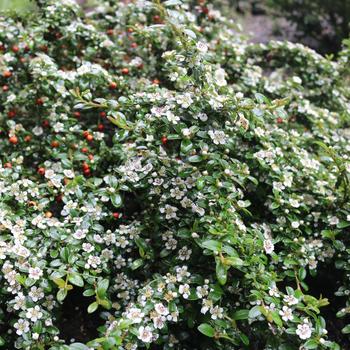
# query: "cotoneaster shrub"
191,186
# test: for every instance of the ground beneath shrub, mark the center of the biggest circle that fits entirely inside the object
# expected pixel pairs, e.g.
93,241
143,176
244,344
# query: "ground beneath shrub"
75,322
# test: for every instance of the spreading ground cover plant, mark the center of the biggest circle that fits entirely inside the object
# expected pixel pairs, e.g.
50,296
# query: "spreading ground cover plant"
190,186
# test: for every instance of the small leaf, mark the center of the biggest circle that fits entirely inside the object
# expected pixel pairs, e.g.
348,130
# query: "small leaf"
207,330
61,294
105,303
78,346
346,329
92,307
116,200
76,279
102,287
213,245
254,312
221,272
241,315
60,282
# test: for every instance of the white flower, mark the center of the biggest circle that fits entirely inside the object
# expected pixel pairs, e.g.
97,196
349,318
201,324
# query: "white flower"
184,253
184,100
219,76
36,293
184,290
290,300
161,309
202,47
34,313
68,173
268,246
304,330
135,315
216,312
35,273
22,326
218,137
145,334
169,211
79,234
93,261
286,313
38,130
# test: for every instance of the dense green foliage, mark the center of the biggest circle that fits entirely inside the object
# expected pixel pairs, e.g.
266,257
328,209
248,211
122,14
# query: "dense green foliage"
193,187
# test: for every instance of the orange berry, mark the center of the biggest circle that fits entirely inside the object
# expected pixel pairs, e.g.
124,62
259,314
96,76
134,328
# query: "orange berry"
13,140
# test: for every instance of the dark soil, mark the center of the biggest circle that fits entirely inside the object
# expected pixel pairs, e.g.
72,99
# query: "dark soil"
75,322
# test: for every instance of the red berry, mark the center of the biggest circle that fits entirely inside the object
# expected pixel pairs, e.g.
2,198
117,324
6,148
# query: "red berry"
85,166
7,74
8,165
5,88
133,45
87,172
116,215
76,114
27,138
157,19
84,150
55,144
89,138
85,133
13,139
113,85
164,140
103,114
125,71
130,30
91,156
15,48
155,81
39,101
109,31
100,127
59,198
279,120
41,171
11,114
46,123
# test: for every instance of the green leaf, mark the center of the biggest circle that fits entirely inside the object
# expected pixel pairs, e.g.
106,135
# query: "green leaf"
346,329
61,294
92,307
102,287
254,312
276,318
311,344
78,346
76,279
221,272
116,200
89,293
234,261
105,303
207,330
136,264
241,315
64,253
119,120
60,282
213,245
